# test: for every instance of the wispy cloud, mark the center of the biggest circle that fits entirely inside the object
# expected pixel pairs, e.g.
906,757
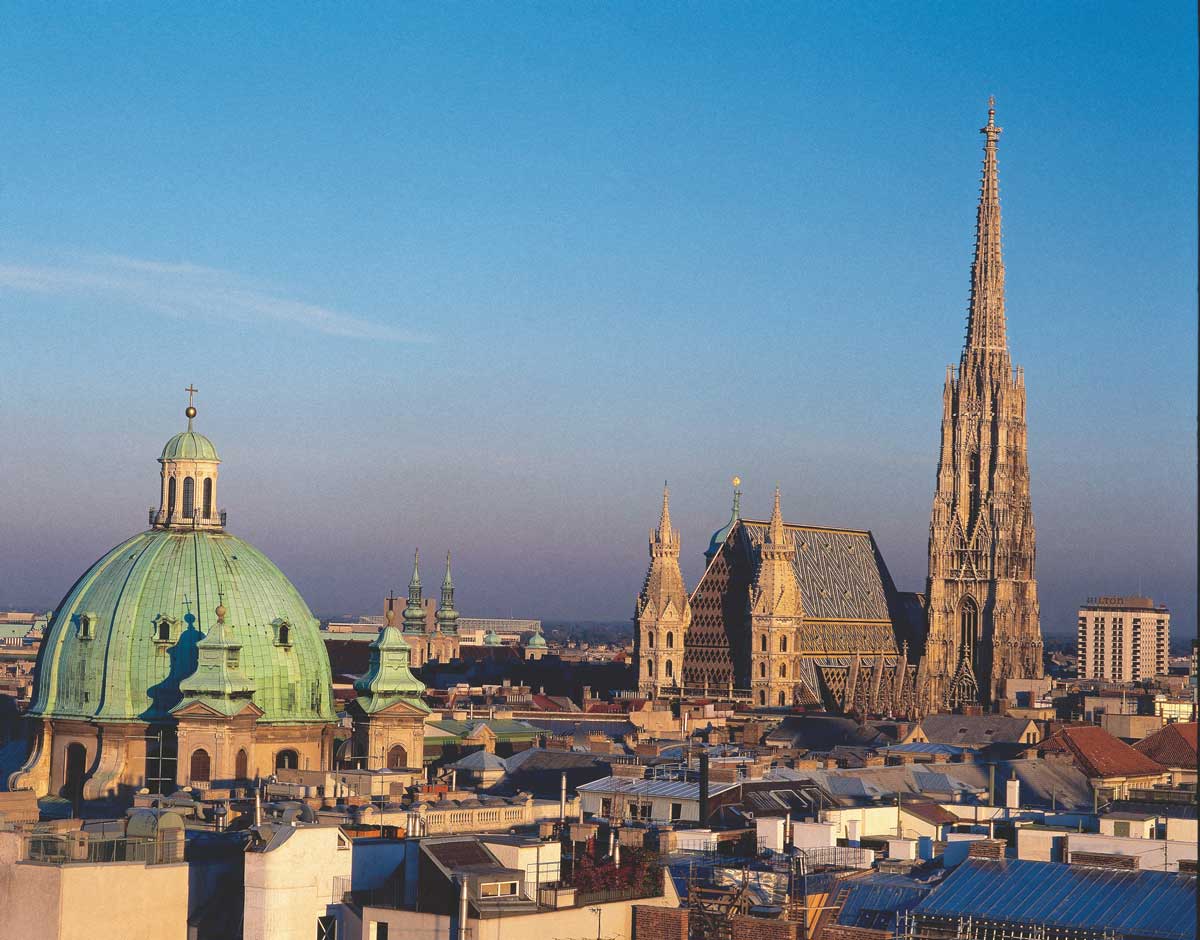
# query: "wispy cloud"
189,291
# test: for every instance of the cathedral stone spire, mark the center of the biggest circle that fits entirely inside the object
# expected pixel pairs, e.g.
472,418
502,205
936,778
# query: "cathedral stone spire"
664,539
414,612
982,607
775,533
985,322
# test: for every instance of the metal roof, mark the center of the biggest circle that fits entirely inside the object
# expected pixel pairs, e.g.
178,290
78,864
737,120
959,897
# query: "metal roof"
876,906
677,789
1131,903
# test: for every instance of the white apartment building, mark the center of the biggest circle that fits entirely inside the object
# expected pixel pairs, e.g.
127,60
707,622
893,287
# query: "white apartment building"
1124,639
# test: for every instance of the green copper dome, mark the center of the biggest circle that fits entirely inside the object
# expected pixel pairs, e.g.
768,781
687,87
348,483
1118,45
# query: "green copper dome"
189,445
126,636
491,638
537,640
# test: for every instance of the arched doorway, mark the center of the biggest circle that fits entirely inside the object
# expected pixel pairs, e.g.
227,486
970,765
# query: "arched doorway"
75,772
397,758
241,765
287,760
200,766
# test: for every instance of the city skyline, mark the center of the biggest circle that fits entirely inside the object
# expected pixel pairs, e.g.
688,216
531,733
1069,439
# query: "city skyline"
795,329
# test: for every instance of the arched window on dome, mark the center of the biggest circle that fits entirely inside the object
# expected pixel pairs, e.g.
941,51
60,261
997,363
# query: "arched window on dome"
162,630
208,497
397,758
670,640
283,632
189,497
241,765
200,766
287,760
171,497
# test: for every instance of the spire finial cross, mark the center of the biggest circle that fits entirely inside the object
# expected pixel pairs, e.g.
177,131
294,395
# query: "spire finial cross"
191,390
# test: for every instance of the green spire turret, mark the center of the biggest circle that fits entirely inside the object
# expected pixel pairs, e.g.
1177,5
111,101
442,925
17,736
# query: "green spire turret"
389,678
414,612
447,616
218,680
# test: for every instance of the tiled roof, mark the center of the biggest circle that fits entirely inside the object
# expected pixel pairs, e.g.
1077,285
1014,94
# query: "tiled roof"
1173,746
841,573
1098,754
973,729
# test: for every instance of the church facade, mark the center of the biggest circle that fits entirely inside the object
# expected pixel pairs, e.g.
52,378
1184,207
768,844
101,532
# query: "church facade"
789,614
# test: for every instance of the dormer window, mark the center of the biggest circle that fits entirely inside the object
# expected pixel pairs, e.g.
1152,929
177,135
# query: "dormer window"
232,659
162,630
86,627
283,632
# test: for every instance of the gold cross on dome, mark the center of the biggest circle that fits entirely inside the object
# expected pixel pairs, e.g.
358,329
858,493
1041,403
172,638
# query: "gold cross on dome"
191,390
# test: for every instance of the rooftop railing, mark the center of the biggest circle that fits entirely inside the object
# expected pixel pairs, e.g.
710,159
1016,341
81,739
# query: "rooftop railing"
76,848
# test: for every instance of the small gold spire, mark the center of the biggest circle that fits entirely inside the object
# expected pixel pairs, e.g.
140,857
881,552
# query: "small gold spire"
220,607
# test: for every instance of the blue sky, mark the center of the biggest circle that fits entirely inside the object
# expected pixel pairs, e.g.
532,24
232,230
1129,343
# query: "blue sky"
481,276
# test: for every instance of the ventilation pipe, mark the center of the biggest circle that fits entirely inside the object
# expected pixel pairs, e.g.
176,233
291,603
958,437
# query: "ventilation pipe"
462,907
704,788
562,800
454,780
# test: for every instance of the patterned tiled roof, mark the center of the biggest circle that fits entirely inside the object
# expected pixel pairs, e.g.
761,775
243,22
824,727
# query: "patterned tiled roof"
841,573
1173,746
1098,754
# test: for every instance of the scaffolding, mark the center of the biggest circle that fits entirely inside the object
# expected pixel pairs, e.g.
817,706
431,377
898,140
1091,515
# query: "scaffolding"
914,926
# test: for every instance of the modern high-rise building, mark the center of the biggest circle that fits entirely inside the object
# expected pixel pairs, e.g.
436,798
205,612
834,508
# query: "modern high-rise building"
981,596
1125,639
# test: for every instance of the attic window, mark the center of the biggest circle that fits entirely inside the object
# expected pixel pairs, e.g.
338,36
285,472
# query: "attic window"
162,630
87,627
499,889
283,632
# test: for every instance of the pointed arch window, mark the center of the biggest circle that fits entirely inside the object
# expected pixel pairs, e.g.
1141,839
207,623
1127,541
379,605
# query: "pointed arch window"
241,765
762,697
782,700
783,670
670,640
189,497
762,670
669,669
968,627
783,644
762,642
650,639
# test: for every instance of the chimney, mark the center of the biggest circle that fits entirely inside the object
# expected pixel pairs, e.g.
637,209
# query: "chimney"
1012,793
703,788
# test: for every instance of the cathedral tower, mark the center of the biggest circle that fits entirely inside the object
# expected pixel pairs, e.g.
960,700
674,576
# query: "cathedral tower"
776,611
664,612
983,622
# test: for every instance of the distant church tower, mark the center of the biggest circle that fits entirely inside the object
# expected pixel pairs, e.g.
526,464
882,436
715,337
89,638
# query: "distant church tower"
776,612
983,622
663,612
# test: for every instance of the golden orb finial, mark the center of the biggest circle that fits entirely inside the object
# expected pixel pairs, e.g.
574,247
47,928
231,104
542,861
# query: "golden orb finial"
390,616
220,613
737,481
